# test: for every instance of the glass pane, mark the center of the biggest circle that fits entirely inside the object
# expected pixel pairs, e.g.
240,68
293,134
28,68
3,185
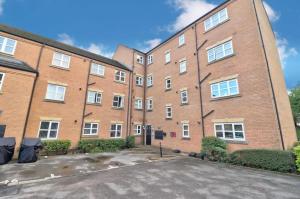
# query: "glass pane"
224,92
112,134
113,127
45,125
228,127
229,135
52,134
86,131
219,52
54,126
232,83
43,134
219,127
219,134
223,85
94,131
95,126
8,49
239,135
87,125
118,133
238,127
233,91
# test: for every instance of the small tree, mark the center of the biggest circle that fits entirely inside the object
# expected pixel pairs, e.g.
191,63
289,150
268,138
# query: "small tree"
295,103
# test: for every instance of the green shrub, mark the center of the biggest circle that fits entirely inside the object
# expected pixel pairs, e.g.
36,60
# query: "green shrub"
274,160
130,142
214,148
297,153
298,133
56,147
101,145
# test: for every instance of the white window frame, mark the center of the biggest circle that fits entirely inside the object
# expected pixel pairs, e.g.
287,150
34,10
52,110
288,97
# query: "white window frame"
115,130
4,45
139,80
138,103
149,80
121,103
168,83
149,104
120,76
168,56
212,52
182,68
182,97
97,98
215,20
97,69
56,92
169,112
184,124
2,80
233,131
49,129
150,59
181,40
62,60
228,88
90,129
140,59
137,129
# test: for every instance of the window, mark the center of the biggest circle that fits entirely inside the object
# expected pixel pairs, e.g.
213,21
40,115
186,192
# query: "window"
224,88
168,83
1,80
216,19
181,40
167,57
90,128
140,59
61,60
115,130
7,45
184,97
185,130
97,69
149,80
94,97
139,81
120,76
149,104
55,92
168,112
118,101
150,59
138,104
48,129
182,66
138,129
220,51
230,131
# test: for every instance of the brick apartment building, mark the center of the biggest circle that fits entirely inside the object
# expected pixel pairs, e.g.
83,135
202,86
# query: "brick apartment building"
219,76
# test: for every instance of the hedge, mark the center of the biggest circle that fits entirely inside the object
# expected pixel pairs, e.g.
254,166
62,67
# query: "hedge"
214,149
297,153
274,160
56,147
101,145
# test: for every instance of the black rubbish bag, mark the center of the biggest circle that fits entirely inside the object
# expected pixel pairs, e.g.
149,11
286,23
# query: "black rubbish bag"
7,149
29,150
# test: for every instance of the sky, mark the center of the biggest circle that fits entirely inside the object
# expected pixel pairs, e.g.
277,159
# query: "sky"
99,26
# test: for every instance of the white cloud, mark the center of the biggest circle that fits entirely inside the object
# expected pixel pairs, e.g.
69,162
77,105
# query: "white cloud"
149,44
1,6
285,51
273,15
190,10
65,38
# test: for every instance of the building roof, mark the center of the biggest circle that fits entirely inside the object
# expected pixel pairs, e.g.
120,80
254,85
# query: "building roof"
59,45
13,63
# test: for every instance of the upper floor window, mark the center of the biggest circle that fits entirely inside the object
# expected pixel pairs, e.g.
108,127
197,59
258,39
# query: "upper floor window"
224,88
149,104
182,66
138,129
184,97
116,130
168,83
90,128
120,76
149,80
118,101
185,130
181,40
7,45
97,69
140,59
1,80
94,97
61,60
230,131
48,129
150,59
139,80
138,104
216,19
169,112
220,51
55,92
168,56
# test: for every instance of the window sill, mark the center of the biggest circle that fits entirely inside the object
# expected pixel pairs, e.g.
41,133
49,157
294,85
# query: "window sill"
236,142
182,73
90,136
216,26
186,138
120,82
116,108
93,104
179,46
168,89
102,76
54,101
184,104
139,85
168,118
150,86
138,109
59,67
137,135
149,110
227,57
166,63
227,97
6,54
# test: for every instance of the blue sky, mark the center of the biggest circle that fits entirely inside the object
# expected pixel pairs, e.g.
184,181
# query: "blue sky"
99,26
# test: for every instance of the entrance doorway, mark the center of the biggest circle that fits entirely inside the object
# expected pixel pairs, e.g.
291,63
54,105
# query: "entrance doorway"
148,134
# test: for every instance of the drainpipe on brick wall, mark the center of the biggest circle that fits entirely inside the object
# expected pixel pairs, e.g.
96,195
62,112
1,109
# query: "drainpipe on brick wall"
130,91
144,101
85,97
32,91
270,78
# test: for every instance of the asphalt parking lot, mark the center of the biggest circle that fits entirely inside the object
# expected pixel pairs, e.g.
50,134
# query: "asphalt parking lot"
181,177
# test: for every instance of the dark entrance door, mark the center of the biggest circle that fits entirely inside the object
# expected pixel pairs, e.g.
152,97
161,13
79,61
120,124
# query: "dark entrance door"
148,135
2,130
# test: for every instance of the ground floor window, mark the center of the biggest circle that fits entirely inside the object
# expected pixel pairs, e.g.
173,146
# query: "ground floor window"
185,130
90,128
116,130
138,129
48,129
230,131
